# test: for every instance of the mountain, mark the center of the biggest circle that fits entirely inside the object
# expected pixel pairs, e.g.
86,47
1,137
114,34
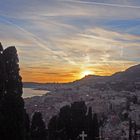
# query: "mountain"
127,80
32,85
130,74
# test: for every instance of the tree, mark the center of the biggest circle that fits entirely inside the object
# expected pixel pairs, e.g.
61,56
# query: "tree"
27,126
64,123
12,113
78,117
89,123
12,120
95,125
52,128
38,129
71,121
13,81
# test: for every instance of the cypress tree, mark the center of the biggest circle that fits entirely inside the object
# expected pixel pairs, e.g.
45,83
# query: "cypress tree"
13,81
78,118
71,121
38,128
52,128
89,123
12,113
27,127
64,123
95,126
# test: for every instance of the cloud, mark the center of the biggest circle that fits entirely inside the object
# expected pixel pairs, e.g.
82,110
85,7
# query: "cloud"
56,37
99,45
104,4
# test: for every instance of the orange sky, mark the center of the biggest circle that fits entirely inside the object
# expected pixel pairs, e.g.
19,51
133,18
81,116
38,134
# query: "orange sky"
44,76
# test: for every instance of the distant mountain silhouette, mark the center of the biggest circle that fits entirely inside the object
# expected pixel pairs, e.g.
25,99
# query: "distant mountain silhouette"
130,74
128,80
125,80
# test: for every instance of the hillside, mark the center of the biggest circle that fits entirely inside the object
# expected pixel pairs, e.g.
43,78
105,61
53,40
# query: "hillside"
117,97
130,74
127,80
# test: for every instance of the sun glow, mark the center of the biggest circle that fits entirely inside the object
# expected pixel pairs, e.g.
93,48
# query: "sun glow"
86,72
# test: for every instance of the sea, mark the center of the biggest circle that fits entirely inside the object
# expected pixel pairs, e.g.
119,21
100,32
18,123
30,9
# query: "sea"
30,92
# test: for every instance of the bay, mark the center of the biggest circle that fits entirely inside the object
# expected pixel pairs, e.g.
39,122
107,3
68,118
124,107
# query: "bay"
29,92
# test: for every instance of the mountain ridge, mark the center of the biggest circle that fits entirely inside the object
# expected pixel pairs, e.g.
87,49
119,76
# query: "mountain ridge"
132,74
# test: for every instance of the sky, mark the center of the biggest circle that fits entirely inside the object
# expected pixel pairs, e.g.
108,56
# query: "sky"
62,40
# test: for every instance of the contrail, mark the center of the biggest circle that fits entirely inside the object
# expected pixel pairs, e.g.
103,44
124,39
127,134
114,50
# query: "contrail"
41,43
32,36
103,4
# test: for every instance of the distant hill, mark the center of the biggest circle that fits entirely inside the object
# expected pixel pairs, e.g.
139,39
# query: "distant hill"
31,84
126,80
130,74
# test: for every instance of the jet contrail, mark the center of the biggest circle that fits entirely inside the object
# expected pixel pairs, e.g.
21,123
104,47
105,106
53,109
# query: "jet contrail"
103,4
41,43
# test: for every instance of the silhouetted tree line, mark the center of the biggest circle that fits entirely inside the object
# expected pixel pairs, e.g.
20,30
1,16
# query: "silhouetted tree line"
14,121
71,121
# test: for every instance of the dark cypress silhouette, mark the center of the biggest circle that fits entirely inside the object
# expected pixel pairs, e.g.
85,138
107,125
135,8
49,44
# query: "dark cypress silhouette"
13,83
12,113
90,124
64,124
38,129
78,111
27,127
71,121
52,128
95,126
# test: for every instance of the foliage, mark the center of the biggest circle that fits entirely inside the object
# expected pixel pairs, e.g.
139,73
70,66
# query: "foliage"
12,113
71,121
38,129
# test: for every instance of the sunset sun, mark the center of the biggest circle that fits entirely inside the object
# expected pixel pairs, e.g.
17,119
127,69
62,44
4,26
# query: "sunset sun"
86,72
